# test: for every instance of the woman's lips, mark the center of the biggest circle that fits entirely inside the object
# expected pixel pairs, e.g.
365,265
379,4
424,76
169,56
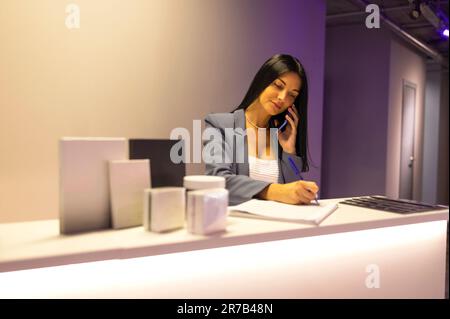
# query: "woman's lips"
277,105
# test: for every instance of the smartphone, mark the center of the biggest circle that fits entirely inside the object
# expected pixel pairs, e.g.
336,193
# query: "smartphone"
282,119
282,127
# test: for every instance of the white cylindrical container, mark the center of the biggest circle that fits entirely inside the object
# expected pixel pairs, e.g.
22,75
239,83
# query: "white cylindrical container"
196,182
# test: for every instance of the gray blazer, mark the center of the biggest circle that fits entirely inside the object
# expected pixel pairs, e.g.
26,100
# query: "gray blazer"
238,182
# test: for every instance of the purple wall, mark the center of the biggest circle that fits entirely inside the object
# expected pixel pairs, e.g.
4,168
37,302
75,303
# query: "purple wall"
312,53
442,195
355,111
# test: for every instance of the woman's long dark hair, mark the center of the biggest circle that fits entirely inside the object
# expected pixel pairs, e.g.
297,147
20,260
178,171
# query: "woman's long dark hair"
271,70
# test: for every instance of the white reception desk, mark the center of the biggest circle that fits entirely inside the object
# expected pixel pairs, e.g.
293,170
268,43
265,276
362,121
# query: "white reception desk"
354,253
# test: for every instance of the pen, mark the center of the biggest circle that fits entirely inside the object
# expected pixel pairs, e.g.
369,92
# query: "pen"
297,172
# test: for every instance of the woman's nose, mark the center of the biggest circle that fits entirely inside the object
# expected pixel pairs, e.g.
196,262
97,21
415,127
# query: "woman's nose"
282,96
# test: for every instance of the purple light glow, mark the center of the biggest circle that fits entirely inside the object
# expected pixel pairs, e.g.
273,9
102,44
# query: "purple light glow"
445,33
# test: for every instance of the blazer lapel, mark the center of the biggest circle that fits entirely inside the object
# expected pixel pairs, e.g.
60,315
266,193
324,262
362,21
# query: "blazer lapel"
239,122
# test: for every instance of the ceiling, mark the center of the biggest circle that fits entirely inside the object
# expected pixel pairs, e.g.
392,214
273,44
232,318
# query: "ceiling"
348,12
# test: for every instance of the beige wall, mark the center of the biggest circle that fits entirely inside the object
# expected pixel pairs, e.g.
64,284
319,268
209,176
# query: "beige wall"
405,65
134,68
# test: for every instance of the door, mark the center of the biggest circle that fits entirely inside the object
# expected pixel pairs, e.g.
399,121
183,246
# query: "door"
407,140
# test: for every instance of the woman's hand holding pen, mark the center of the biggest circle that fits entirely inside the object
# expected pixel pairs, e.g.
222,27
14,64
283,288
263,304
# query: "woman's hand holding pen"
287,138
299,192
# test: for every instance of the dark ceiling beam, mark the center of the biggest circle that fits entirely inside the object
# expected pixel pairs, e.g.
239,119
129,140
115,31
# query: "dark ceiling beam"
438,41
417,25
360,13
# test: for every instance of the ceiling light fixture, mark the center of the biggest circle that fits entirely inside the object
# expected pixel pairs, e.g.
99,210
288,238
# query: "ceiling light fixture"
445,32
415,11
434,15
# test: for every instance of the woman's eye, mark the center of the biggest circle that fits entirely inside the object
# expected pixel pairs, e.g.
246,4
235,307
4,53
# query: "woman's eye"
278,85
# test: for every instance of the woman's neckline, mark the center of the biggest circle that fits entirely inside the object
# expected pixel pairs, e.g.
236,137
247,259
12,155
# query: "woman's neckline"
251,110
253,124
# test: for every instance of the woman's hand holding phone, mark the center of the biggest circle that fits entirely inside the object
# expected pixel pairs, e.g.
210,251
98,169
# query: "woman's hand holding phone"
288,136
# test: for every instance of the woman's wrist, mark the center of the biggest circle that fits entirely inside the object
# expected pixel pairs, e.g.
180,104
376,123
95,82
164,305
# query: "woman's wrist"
271,192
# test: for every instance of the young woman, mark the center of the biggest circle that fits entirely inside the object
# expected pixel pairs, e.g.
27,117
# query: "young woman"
277,98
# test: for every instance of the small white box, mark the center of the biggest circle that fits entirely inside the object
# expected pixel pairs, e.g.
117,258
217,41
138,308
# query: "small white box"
128,179
164,208
207,211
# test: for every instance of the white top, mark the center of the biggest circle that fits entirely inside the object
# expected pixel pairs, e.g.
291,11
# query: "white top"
265,170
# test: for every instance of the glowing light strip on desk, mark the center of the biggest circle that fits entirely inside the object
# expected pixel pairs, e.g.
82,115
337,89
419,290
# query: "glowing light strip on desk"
321,266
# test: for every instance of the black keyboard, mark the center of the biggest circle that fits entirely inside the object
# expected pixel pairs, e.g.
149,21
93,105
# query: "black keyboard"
401,206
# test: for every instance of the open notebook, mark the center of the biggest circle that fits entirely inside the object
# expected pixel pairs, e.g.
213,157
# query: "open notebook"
265,209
